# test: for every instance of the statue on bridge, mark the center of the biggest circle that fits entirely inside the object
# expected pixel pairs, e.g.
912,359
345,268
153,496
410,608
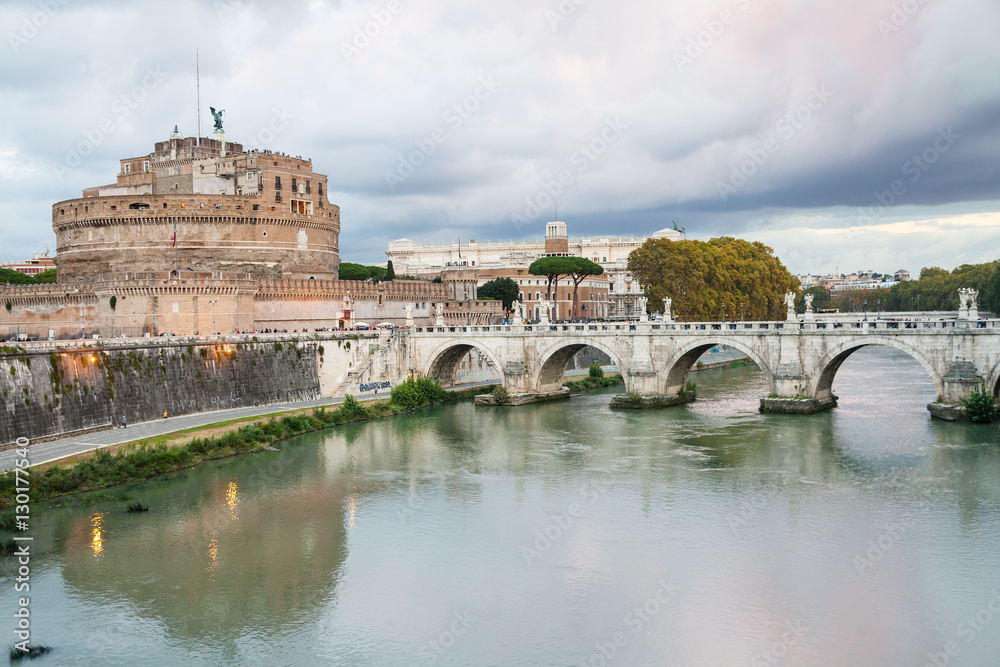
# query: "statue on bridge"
518,311
439,314
790,305
809,315
967,307
543,311
667,315
640,305
409,314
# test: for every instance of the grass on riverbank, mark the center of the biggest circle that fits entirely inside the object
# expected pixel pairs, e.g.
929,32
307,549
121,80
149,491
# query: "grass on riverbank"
592,382
150,457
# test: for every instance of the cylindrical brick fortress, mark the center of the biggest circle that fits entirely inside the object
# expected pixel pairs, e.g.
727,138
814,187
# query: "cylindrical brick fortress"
128,233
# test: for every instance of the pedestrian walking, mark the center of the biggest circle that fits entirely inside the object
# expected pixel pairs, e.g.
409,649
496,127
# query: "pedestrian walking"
124,425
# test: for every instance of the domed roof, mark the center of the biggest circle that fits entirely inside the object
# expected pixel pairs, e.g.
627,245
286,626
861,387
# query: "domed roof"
667,233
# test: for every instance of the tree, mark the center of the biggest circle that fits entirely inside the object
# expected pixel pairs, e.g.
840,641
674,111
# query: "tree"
504,290
553,268
706,278
550,267
821,298
46,277
583,268
390,273
352,271
11,277
937,288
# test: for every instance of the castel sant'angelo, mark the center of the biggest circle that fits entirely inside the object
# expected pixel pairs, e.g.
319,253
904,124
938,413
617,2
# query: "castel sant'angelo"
201,236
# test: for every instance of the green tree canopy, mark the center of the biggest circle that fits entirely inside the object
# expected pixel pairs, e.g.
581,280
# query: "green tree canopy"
352,271
390,273
937,288
501,289
12,277
553,268
703,277
46,277
821,298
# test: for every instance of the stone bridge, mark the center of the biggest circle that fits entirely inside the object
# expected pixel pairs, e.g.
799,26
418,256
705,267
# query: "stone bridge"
799,358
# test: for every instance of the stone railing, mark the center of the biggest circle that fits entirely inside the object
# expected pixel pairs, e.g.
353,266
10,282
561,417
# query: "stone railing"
854,326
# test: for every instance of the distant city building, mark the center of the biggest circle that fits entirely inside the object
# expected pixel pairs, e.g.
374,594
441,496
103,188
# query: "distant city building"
850,285
610,295
39,262
861,280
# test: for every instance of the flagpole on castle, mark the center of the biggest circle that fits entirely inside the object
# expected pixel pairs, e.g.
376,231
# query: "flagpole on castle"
197,77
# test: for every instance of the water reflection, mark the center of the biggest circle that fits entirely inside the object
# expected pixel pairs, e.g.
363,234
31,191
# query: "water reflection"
540,530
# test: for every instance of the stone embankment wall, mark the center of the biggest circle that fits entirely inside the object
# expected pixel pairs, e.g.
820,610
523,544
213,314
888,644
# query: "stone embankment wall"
47,390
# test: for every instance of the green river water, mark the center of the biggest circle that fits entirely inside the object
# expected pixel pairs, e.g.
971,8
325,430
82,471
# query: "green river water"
555,534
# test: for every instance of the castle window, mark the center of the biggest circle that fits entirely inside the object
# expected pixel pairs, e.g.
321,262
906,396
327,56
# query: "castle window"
145,165
294,186
127,168
164,204
277,183
256,207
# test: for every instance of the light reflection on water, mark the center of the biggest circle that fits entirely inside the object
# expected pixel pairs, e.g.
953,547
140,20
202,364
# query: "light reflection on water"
546,535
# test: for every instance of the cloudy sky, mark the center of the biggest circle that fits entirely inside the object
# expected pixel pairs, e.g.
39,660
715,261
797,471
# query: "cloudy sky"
846,134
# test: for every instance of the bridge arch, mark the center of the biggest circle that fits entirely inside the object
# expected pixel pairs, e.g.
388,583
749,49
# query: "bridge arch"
444,360
820,386
993,380
680,363
555,358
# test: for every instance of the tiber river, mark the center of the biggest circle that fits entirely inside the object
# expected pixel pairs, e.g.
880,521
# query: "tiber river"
558,534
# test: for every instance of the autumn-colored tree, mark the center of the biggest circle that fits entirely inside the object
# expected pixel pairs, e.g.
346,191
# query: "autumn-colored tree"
705,279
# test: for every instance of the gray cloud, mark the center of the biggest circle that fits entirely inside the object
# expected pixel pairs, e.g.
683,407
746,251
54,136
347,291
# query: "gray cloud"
367,84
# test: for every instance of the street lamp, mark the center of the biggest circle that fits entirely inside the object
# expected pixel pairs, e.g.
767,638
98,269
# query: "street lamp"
723,312
213,302
741,311
866,309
